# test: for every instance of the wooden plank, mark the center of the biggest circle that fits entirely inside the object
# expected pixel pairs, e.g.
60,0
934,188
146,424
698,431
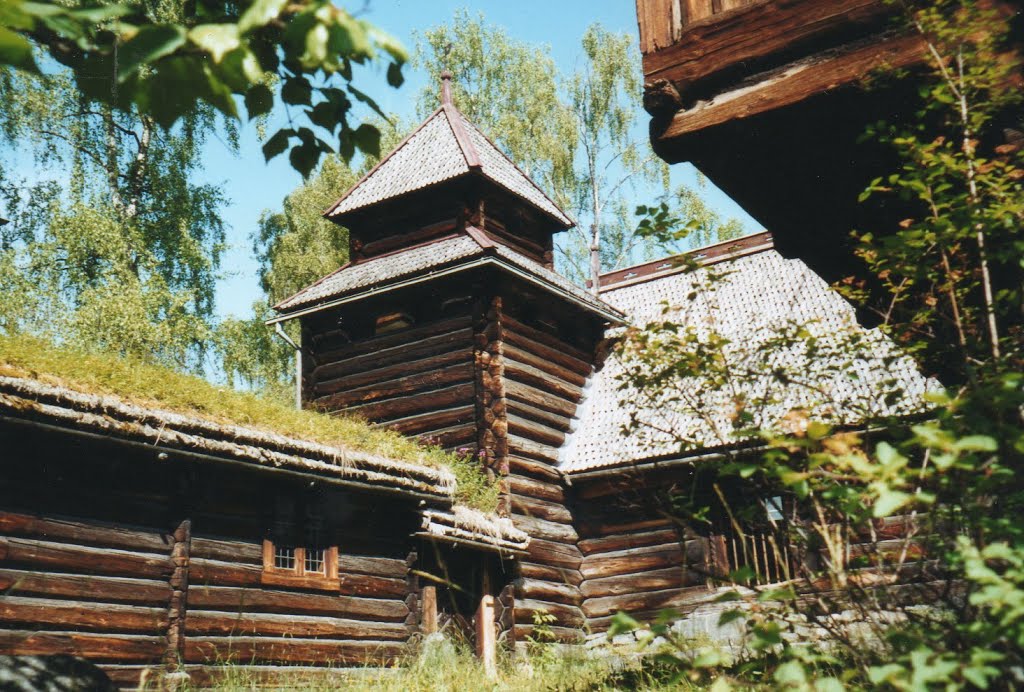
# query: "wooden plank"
540,398
646,601
95,647
556,575
75,558
461,389
399,371
792,84
486,643
102,617
625,541
260,600
547,530
712,44
543,590
290,650
549,511
535,432
208,622
530,487
428,621
90,534
77,586
652,580
383,342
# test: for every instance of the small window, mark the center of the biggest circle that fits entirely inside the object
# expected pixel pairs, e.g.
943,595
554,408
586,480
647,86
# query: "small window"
295,554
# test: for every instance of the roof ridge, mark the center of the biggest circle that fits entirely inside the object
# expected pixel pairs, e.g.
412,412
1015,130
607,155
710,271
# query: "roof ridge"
521,172
469,151
330,210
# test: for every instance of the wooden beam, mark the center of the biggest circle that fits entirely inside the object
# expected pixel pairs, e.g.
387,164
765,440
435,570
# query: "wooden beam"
711,43
784,87
486,636
428,624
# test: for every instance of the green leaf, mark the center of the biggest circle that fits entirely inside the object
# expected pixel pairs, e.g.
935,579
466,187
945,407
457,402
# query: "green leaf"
976,443
367,138
149,44
304,158
889,501
277,143
730,616
215,39
259,13
395,77
259,100
297,91
16,50
622,623
100,13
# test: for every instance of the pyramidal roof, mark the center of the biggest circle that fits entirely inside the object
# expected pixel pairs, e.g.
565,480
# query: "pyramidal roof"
444,147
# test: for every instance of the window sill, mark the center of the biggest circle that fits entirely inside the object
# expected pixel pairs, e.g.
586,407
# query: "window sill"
318,583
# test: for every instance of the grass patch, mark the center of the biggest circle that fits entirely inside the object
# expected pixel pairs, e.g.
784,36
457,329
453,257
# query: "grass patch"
145,384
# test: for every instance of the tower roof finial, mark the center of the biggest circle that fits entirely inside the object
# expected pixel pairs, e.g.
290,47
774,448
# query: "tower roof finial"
446,87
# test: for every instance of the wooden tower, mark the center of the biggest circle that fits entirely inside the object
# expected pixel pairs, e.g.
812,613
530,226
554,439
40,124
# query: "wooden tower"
450,324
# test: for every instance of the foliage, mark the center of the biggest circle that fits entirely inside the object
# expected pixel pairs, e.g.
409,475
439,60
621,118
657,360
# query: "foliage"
161,59
132,379
905,534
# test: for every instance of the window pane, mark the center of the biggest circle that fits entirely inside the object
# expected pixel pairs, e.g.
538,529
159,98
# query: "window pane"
284,558
315,560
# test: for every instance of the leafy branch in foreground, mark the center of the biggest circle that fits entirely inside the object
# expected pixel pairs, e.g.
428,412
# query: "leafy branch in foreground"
162,62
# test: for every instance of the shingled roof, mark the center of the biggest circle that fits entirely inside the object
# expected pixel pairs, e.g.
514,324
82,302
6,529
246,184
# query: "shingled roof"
444,147
459,252
760,295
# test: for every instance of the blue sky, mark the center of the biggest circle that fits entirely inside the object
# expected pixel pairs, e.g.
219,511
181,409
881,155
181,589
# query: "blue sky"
252,186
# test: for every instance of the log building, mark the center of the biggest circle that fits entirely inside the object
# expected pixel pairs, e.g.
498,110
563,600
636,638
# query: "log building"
141,538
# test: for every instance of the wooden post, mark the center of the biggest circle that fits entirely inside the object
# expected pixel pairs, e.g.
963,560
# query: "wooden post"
180,550
486,646
429,605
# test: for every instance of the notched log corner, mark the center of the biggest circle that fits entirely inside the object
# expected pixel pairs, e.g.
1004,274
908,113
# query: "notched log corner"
661,99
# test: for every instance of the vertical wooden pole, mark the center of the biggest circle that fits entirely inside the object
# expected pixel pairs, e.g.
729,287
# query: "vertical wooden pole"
180,550
429,605
486,646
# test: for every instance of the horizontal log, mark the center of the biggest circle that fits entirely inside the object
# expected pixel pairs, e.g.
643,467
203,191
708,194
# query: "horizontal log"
379,566
290,650
528,448
567,615
601,526
261,600
758,32
372,586
75,558
541,590
396,372
410,350
542,470
535,377
554,421
452,438
552,369
101,617
645,601
793,84
91,534
558,355
529,487
77,586
420,402
554,554
540,398
625,541
559,575
513,326
541,509
231,551
95,647
207,622
535,432
547,530
651,580
323,351
568,635
630,562
424,423
398,389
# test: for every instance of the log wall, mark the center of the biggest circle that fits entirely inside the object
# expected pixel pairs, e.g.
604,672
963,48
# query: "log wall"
138,563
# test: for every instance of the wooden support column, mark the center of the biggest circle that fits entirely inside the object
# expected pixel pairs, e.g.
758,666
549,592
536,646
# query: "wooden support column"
428,618
492,414
177,607
486,639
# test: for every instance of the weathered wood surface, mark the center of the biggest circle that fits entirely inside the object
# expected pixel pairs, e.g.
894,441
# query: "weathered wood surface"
66,556
95,617
297,602
249,552
331,346
101,535
635,582
447,342
643,601
697,50
567,615
544,590
794,83
625,541
444,377
547,530
534,469
529,487
84,587
555,575
539,397
568,635
536,434
632,561
526,340
95,647
207,622
554,554
400,371
541,509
